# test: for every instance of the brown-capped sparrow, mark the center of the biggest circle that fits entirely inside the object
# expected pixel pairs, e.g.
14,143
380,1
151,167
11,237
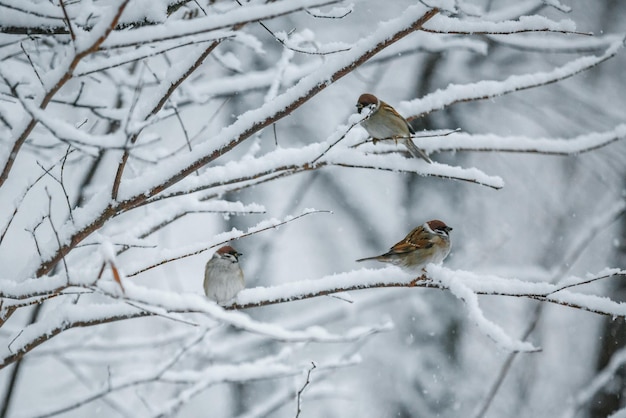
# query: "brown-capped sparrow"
384,123
223,278
428,243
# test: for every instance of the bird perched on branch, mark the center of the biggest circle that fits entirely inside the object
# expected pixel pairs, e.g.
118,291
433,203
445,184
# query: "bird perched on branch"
223,277
384,123
428,243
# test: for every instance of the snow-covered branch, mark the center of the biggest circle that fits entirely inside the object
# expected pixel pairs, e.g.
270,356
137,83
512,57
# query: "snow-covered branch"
487,89
462,141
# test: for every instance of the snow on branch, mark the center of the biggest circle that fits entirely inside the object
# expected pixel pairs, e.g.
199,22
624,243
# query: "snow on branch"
555,43
103,62
11,289
397,163
176,29
486,89
463,284
444,24
462,141
490,329
62,318
478,283
138,301
290,161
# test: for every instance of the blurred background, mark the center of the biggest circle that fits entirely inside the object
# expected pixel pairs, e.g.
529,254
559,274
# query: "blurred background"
556,216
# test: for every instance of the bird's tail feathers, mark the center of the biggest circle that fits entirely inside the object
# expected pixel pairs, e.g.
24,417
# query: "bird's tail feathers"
416,152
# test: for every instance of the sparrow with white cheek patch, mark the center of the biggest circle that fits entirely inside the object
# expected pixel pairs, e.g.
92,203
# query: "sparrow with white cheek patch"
223,278
428,243
384,123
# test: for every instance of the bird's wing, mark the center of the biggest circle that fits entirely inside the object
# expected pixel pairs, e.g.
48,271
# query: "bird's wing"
416,239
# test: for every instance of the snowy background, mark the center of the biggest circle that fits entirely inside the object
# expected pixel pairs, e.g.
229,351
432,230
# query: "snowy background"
152,132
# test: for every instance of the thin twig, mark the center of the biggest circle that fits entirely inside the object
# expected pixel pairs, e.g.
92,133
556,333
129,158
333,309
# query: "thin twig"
595,279
307,11
425,134
512,32
306,383
182,126
62,183
337,141
247,234
32,64
56,233
68,21
283,43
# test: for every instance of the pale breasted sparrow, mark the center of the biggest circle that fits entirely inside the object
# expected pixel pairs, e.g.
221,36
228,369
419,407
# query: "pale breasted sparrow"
223,277
428,243
384,123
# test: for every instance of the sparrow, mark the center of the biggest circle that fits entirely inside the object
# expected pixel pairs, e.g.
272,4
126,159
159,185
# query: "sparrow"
223,277
384,123
428,243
